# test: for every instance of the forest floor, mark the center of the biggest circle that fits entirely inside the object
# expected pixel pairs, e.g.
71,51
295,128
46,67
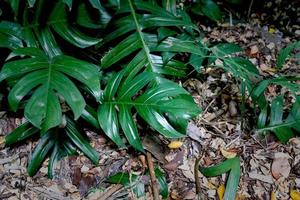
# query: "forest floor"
268,169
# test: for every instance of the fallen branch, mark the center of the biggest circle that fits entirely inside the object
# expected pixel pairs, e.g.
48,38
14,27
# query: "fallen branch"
153,177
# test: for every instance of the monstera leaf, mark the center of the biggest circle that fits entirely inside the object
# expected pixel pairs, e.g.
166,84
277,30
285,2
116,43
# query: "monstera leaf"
37,29
155,51
48,79
158,101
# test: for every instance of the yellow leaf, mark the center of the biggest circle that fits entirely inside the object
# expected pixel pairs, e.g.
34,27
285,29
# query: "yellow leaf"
228,154
273,196
175,144
2,140
295,195
272,30
221,191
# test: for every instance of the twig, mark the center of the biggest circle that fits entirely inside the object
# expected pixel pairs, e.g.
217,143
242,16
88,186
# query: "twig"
196,173
152,177
197,179
111,191
249,10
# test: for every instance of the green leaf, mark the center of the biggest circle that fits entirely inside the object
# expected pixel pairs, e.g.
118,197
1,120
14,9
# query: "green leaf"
286,52
66,31
31,3
74,133
11,35
233,167
163,185
283,128
108,120
123,49
55,155
123,178
282,133
209,8
223,49
129,128
39,153
21,133
48,78
90,116
87,19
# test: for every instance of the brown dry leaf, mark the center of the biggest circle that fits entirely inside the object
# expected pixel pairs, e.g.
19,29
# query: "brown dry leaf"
175,144
280,167
142,158
173,164
295,195
221,191
228,154
155,147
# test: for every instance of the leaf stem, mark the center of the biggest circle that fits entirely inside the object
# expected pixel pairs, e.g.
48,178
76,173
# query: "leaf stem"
139,30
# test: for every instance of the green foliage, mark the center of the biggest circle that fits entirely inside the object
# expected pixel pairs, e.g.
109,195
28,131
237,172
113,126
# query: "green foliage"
271,117
137,185
233,167
47,78
208,8
139,58
286,52
57,142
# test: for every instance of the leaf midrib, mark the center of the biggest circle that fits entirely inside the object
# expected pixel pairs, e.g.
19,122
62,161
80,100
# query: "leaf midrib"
133,103
138,28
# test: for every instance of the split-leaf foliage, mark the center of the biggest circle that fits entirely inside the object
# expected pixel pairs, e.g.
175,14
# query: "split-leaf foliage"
120,72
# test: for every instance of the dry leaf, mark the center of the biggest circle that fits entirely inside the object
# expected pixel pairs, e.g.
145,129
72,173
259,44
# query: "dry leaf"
175,144
228,154
263,178
2,140
280,167
211,186
253,50
221,191
295,195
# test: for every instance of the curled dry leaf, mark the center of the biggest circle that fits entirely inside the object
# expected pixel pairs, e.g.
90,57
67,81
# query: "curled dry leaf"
228,154
280,167
295,195
175,144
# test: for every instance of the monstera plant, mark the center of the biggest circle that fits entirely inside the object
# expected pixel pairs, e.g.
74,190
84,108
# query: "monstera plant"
112,65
